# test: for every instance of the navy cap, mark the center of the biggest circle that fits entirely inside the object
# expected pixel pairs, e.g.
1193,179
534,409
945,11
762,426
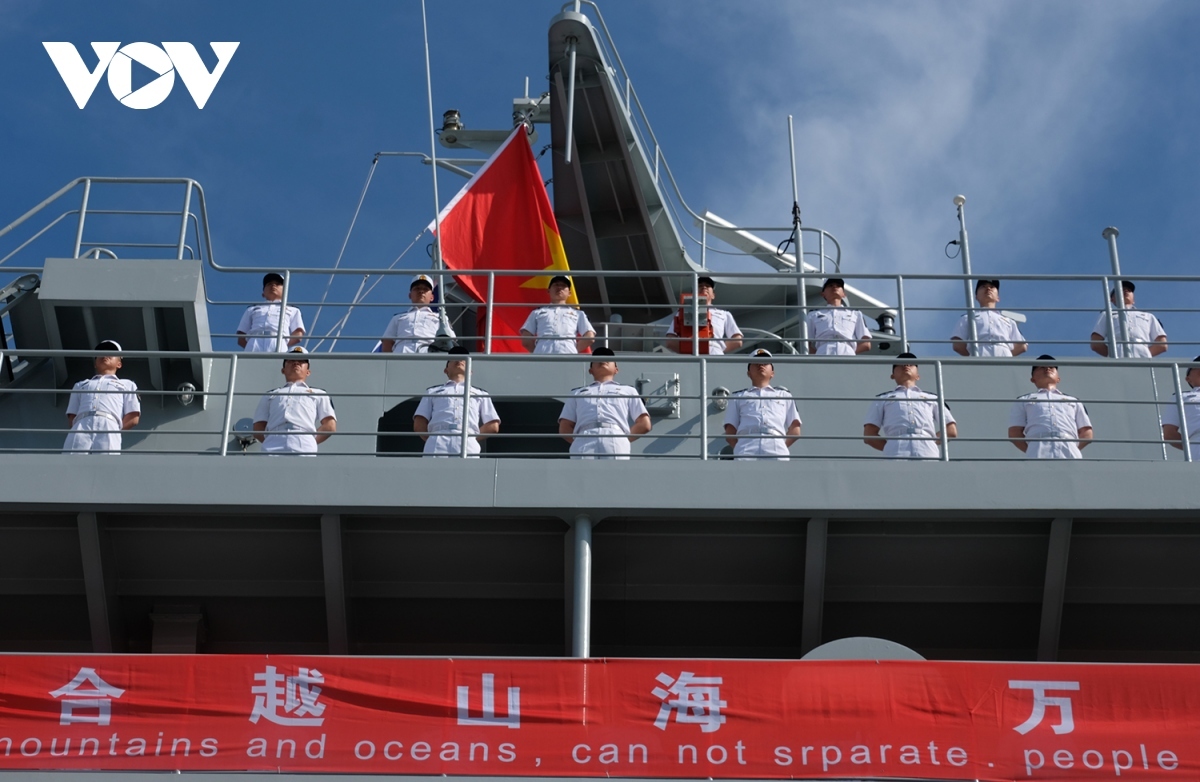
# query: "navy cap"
271,277
904,355
980,283
109,344
838,281
458,350
706,280
1045,357
559,278
603,352
1126,285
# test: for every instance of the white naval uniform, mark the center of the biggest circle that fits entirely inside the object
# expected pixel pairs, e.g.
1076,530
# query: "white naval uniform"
444,414
1052,415
557,320
1144,328
414,331
100,404
907,412
761,411
996,333
260,324
1191,408
602,408
290,411
723,327
837,330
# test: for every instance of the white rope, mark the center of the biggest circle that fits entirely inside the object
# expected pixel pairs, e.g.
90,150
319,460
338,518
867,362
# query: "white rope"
362,197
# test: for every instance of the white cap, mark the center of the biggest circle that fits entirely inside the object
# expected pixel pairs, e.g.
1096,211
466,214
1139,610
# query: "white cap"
297,349
425,278
761,353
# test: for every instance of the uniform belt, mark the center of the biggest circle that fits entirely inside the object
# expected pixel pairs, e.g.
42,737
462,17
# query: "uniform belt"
97,413
760,430
598,427
445,428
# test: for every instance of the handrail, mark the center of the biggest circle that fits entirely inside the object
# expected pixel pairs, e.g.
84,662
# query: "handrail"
704,395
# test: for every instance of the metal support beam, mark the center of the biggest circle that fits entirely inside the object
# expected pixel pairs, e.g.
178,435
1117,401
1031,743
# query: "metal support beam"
335,584
1055,590
150,324
99,583
814,584
581,598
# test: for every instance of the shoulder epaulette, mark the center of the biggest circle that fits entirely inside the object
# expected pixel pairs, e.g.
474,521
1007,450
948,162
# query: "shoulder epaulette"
782,388
885,393
1027,396
581,388
742,391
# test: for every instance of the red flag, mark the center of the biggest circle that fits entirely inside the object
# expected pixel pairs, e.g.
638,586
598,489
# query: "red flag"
502,219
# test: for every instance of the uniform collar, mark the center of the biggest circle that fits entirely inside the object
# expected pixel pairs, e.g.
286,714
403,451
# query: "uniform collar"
908,388
297,384
603,382
419,307
1050,391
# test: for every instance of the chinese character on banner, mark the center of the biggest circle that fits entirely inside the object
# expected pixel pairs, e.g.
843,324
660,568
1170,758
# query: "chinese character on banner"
1066,721
98,696
513,720
697,700
279,695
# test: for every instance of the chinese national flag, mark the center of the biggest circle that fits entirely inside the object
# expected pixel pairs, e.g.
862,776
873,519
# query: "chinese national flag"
502,219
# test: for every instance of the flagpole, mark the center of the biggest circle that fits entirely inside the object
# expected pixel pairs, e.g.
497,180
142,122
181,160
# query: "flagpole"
437,209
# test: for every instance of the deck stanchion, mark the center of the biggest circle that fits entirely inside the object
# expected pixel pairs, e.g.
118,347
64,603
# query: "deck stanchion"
902,313
1184,434
581,616
83,204
696,315
491,305
571,46
801,289
465,426
187,205
228,405
941,403
703,409
279,334
1109,319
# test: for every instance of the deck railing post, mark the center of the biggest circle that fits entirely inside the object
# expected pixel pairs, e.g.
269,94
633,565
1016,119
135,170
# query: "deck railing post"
902,313
944,437
228,405
187,206
1113,351
581,616
1184,434
965,251
696,315
490,313
83,205
1110,235
703,409
465,427
287,284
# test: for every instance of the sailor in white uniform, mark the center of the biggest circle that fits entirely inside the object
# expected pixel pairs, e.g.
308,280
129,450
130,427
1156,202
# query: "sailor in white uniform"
1191,407
560,327
907,412
1046,423
601,420
258,331
837,330
761,421
996,334
101,408
442,412
1147,338
415,330
726,336
294,418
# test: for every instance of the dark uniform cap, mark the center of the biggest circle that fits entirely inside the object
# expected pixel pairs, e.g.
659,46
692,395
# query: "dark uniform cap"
271,277
458,350
109,344
904,355
559,278
603,352
706,281
838,281
980,283
1125,285
1044,357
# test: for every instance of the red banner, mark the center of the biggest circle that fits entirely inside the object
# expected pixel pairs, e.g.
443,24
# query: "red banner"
727,719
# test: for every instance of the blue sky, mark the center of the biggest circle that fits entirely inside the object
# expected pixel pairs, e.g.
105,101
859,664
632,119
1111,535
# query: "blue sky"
1055,119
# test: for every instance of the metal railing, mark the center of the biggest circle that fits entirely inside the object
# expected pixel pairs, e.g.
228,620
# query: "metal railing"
704,434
